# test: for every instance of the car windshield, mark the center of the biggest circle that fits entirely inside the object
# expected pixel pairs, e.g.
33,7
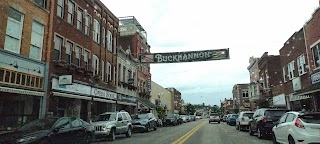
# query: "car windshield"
311,118
141,116
248,114
107,117
274,113
41,124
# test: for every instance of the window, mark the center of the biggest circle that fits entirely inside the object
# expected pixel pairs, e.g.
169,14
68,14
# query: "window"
119,116
79,19
41,3
103,37
284,73
76,122
108,71
71,7
109,37
96,31
102,70
86,59
78,56
245,94
267,78
316,55
283,118
124,74
290,117
114,45
95,64
60,8
36,43
301,62
87,24
69,48
291,70
14,31
57,47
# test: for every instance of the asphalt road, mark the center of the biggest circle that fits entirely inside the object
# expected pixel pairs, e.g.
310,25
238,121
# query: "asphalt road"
196,132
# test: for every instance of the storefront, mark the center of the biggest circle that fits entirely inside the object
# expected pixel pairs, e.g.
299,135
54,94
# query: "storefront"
127,103
103,101
21,89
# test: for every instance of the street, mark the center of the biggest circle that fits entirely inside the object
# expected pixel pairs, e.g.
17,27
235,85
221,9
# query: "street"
196,132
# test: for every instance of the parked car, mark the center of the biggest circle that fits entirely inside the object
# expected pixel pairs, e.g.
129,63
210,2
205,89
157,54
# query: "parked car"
227,118
296,127
224,118
144,122
198,117
192,118
184,118
63,130
170,119
179,119
110,124
232,119
263,121
242,122
214,117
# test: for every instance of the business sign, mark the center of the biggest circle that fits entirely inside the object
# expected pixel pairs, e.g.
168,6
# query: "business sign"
189,56
296,84
75,87
315,78
126,98
103,93
65,80
149,84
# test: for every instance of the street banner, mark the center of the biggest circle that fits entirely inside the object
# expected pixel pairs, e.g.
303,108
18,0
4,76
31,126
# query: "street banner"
188,56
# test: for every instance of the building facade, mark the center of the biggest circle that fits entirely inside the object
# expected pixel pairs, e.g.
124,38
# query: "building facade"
241,100
83,59
24,55
228,106
254,85
162,96
176,100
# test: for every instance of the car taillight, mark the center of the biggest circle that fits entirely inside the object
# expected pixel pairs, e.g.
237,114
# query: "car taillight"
298,123
264,119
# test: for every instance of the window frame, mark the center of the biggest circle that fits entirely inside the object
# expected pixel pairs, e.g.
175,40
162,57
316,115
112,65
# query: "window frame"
96,31
87,24
19,38
71,50
109,42
284,74
60,48
86,66
80,20
301,66
71,13
109,72
61,7
41,44
95,64
78,60
291,70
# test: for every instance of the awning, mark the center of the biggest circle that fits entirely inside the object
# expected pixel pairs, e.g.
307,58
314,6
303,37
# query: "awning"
147,103
82,97
125,103
21,91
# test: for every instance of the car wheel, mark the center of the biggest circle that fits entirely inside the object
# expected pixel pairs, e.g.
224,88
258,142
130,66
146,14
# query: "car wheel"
274,139
112,135
260,133
291,140
155,128
129,132
250,131
148,128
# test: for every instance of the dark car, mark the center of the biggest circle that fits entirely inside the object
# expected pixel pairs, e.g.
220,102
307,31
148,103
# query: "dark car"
144,122
179,119
263,121
170,119
232,119
51,130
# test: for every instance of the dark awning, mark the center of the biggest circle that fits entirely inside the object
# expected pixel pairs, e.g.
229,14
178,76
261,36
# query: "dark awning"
147,103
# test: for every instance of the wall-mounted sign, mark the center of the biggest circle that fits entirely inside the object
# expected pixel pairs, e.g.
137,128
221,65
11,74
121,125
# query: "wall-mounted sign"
149,84
296,84
75,88
103,93
126,98
65,80
190,56
315,78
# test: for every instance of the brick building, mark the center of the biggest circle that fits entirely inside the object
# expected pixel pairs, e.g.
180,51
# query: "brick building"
83,58
228,106
176,102
240,94
254,85
24,29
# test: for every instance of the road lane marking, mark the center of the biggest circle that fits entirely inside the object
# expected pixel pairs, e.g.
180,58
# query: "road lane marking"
188,134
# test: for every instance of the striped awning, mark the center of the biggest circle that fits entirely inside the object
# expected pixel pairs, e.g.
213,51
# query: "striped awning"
21,91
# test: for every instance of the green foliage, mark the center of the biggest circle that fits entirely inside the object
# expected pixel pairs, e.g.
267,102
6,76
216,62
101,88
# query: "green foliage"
160,111
191,108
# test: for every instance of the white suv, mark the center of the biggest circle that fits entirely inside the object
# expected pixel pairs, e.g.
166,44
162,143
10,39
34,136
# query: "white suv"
214,117
242,122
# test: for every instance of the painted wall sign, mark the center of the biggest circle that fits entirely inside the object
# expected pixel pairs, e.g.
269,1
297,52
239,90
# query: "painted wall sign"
189,56
315,78
103,93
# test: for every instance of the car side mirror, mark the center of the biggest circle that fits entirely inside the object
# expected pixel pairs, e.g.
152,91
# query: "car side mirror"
119,119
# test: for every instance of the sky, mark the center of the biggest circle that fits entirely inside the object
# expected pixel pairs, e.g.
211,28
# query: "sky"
247,27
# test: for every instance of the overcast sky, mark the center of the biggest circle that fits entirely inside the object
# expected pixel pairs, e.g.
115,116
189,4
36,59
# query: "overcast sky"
247,27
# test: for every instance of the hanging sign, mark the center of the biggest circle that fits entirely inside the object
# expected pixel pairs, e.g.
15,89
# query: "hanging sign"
190,56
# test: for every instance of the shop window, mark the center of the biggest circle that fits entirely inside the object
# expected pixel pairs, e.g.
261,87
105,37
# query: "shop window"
28,81
13,77
23,80
18,80
7,76
1,75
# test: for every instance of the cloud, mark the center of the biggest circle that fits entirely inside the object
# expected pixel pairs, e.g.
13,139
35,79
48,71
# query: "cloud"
247,27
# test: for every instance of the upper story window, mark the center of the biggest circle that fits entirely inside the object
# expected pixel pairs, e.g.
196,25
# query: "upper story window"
71,7
41,3
36,43
60,8
102,70
109,72
284,73
316,55
103,37
57,47
78,56
87,24
95,65
114,45
291,70
14,31
79,19
86,58
96,31
301,62
245,94
267,78
69,49
109,37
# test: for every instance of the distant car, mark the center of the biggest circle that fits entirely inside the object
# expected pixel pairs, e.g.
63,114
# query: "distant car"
224,118
63,130
170,119
296,127
198,117
232,119
214,117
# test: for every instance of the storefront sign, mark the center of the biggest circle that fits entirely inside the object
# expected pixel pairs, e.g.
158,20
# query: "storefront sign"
296,84
75,87
279,100
103,93
65,80
149,84
298,97
190,56
126,98
315,78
